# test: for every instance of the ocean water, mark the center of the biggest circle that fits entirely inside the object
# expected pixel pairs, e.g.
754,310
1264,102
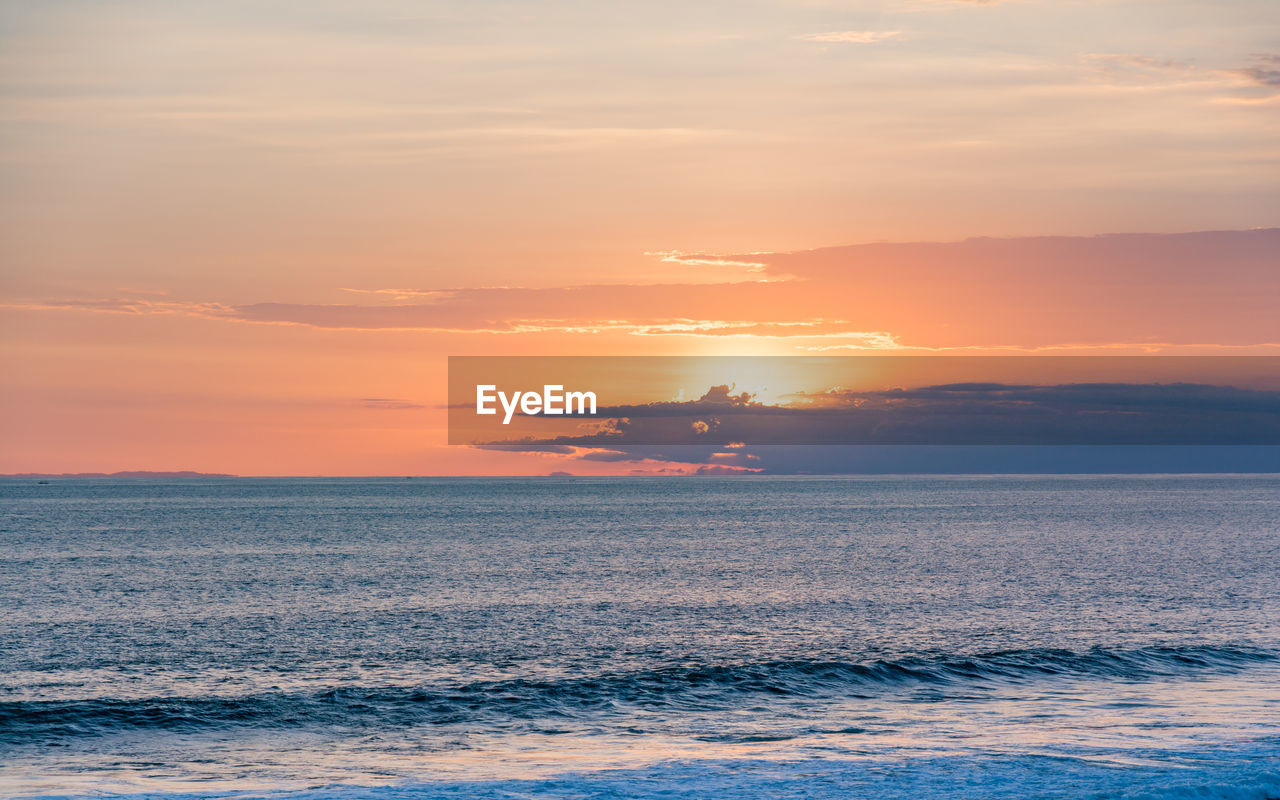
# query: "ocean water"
966,637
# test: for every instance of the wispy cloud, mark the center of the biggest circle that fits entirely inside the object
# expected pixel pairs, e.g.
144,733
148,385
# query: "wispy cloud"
706,260
389,404
1139,65
404,294
424,317
1094,348
1258,82
1265,72
924,5
889,296
127,305
851,37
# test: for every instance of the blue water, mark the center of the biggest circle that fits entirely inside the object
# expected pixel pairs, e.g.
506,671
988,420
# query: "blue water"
967,637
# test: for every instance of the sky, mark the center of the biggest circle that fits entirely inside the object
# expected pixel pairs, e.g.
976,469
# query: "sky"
245,236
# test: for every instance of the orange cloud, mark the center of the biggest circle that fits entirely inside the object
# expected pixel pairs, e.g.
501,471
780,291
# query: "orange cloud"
851,37
1143,290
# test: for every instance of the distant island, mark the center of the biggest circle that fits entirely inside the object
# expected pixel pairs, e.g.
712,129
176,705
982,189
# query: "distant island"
130,474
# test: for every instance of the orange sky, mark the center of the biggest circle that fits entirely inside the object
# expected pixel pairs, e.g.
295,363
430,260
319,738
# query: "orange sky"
241,239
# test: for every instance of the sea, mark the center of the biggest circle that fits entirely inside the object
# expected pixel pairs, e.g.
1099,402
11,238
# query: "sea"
697,637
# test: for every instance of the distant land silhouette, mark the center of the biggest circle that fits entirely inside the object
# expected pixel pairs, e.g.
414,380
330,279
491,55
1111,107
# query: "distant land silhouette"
127,474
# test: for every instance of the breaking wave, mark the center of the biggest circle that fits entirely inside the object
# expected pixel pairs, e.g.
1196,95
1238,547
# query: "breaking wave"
676,688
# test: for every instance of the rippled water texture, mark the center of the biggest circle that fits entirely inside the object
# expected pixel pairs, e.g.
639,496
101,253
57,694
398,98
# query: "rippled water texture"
969,637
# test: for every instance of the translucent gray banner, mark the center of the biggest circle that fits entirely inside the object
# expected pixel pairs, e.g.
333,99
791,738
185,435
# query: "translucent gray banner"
730,402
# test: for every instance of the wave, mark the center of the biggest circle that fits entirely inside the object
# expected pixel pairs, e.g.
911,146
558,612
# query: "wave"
1218,774
676,688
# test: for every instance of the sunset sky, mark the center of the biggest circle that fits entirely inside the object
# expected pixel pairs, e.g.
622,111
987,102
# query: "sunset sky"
244,237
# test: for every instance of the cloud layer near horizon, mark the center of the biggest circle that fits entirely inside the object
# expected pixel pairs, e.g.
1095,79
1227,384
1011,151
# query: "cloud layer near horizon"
946,414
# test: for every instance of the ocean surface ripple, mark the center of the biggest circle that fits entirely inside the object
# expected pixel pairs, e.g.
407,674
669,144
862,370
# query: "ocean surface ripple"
967,637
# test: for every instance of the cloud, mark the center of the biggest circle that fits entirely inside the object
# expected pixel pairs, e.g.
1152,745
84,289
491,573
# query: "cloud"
1100,290
644,460
851,37
722,469
133,305
1136,65
1025,294
683,460
927,4
706,259
1265,72
1255,84
389,404
535,447
404,294
987,460
1091,397
944,414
